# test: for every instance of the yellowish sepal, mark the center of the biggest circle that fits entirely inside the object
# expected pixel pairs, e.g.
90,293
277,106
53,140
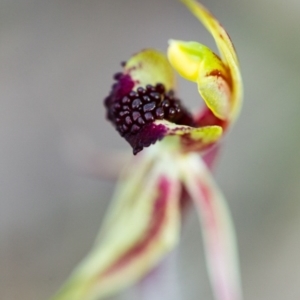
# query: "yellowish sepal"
227,52
190,138
197,63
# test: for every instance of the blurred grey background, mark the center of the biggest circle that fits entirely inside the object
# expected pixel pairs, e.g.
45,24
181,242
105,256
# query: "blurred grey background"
56,63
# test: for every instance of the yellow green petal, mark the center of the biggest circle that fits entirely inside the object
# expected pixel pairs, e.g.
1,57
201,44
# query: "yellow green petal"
198,63
150,66
139,231
190,138
230,61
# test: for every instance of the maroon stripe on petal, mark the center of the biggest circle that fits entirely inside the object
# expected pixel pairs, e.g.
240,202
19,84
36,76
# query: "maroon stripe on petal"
207,199
210,157
207,118
157,219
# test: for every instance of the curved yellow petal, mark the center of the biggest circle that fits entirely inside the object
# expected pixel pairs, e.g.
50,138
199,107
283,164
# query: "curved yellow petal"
219,80
198,63
226,49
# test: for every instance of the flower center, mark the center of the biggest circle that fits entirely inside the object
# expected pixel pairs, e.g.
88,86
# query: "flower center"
130,111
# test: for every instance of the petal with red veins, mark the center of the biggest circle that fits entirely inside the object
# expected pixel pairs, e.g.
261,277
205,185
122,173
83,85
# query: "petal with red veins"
190,138
141,228
217,83
198,63
217,227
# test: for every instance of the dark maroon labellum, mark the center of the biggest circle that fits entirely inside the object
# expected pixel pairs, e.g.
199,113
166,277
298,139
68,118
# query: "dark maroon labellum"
133,112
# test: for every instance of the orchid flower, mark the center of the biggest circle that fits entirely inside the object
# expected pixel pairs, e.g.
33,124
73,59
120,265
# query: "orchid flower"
144,220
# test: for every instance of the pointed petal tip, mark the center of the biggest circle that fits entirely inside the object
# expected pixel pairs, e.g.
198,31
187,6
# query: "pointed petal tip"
228,55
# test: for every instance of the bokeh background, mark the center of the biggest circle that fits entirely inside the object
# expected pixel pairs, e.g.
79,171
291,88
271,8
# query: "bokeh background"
56,62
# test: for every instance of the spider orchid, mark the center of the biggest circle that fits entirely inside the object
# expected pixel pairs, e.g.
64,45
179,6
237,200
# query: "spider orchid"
143,223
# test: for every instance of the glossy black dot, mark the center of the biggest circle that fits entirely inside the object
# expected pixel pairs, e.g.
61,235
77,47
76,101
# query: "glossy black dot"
117,106
149,106
135,115
172,111
123,113
160,88
150,88
155,96
132,95
159,113
136,103
165,103
149,117
125,100
128,120
135,128
141,91
146,99
141,121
